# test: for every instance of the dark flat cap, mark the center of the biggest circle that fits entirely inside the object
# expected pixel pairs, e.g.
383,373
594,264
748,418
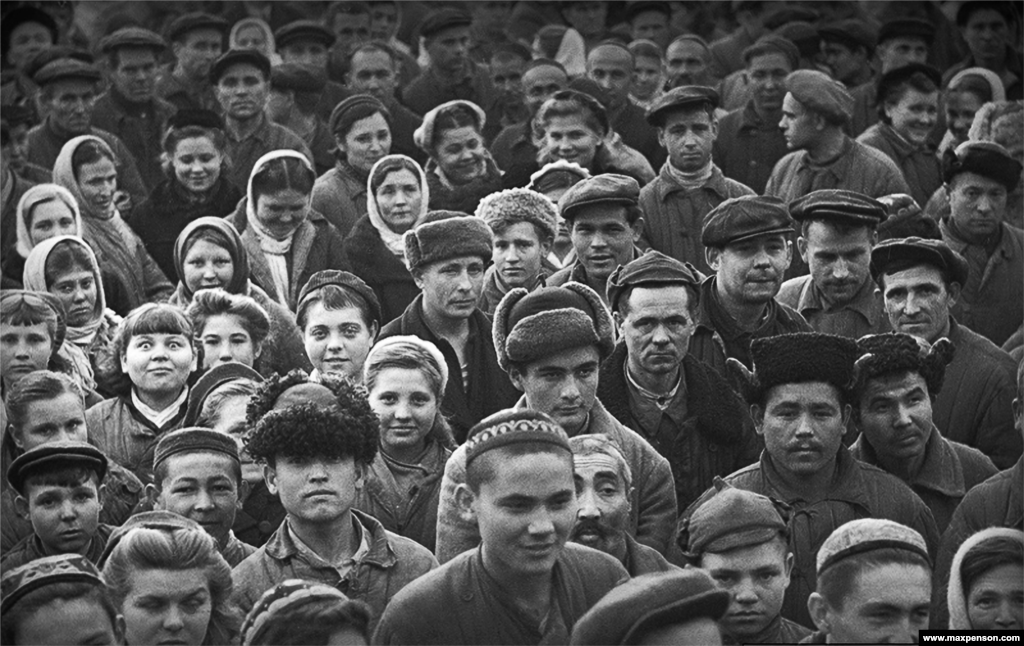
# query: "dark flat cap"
345,280
893,78
741,218
66,68
849,32
730,519
907,28
653,269
800,358
298,78
166,521
820,92
56,53
24,14
784,15
189,22
303,30
236,57
56,453
607,188
132,37
774,44
918,251
634,9
684,96
650,601
201,117
194,440
837,205
984,158
44,571
865,535
804,35
438,21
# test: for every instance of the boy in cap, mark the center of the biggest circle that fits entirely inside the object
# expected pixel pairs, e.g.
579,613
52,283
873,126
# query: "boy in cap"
689,184
60,490
921,281
741,539
197,474
874,585
295,91
446,255
799,398
524,584
197,39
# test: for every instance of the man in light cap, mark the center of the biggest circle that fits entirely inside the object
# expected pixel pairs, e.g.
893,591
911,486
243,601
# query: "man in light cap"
799,395
197,39
814,113
655,386
874,585
741,539
446,255
524,583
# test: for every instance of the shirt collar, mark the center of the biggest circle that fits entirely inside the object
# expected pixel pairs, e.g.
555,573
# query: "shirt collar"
159,417
846,485
864,301
940,471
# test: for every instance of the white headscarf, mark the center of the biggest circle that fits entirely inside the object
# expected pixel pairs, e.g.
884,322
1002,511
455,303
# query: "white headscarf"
956,597
35,196
34,278
394,241
64,173
269,50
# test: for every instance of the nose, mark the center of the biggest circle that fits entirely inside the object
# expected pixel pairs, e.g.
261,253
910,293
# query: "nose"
911,306
465,284
762,259
541,525
318,472
588,509
1006,619
67,510
598,241
841,269
173,621
660,335
905,632
208,271
79,295
402,410
744,591
804,427
204,501
512,255
902,416
334,341
984,204
571,391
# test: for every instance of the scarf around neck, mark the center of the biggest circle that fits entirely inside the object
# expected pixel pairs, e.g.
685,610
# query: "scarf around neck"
690,181
64,174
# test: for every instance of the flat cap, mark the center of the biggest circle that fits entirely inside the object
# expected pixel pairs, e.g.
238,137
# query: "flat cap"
849,32
132,37
513,427
166,521
44,571
653,269
195,117
194,440
774,44
804,35
985,158
918,251
838,205
303,30
444,235
820,92
803,357
742,218
650,601
607,188
189,22
56,53
298,78
907,28
865,535
236,57
520,205
438,21
55,455
346,281
895,77
730,519
66,68
684,96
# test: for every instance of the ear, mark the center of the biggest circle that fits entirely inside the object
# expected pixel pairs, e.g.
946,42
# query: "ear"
618,321
16,438
545,247
788,569
661,138
417,277
153,495
801,246
818,608
21,506
101,495
464,499
195,359
847,410
243,493
119,629
638,229
360,475
124,363
270,478
714,127
257,351
789,253
517,379
374,329
757,414
713,255
953,293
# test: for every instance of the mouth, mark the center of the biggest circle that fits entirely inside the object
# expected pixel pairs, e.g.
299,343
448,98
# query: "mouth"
319,493
805,450
539,550
336,362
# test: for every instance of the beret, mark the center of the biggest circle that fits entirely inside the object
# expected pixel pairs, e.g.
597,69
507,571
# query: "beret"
195,20
195,117
652,269
520,205
236,57
604,188
850,32
438,21
866,535
637,7
773,43
802,357
66,68
896,353
444,235
289,594
730,519
684,96
166,521
344,280
299,78
650,601
423,136
838,205
211,380
56,454
132,37
742,218
893,78
194,440
820,92
350,103
918,251
513,427
907,28
303,30
44,571
984,158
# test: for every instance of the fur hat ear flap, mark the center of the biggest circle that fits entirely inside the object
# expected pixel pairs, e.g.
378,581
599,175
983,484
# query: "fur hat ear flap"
743,379
500,327
603,323
942,351
860,367
412,249
934,362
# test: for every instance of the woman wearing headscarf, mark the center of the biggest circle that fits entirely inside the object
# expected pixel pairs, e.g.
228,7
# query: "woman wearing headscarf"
964,96
44,211
255,33
986,581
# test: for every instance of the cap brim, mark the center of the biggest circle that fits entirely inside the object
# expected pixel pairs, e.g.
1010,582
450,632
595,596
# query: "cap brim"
746,538
751,236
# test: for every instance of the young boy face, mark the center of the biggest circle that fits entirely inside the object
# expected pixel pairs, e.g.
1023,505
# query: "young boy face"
64,513
315,490
202,486
756,578
51,420
886,605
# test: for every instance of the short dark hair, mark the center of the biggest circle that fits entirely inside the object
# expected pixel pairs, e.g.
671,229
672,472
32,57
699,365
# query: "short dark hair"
162,470
836,582
282,174
334,297
208,303
59,473
484,468
918,81
692,293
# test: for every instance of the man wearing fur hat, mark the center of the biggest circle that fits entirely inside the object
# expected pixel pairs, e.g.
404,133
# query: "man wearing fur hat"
799,399
446,255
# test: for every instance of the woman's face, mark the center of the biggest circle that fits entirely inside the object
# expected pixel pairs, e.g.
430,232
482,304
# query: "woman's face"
98,182
167,607
406,405
77,291
158,364
914,115
996,601
207,265
283,212
460,153
51,219
399,200
960,110
337,341
367,142
225,340
251,37
197,163
571,139
23,349
231,420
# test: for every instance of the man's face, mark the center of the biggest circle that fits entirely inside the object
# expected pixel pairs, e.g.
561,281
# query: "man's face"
802,425
839,259
373,73
768,74
451,288
27,40
563,386
845,64
315,490
351,30
651,25
19,146
688,135
657,328
203,487
309,53
71,104
507,77
900,51
135,75
197,51
603,238
518,254
383,21
977,204
243,91
588,18
886,605
603,499
64,518
540,83
799,125
987,35
449,49
648,77
895,415
756,578
918,301
611,67
61,419
751,271
686,62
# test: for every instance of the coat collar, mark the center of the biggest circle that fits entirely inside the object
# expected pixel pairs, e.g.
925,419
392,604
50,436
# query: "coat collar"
847,482
281,547
864,301
940,471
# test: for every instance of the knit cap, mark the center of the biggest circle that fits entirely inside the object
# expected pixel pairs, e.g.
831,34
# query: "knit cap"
865,535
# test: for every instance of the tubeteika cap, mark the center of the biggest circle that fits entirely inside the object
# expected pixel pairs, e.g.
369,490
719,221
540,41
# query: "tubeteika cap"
820,92
189,22
45,571
284,596
732,518
985,158
837,205
742,218
678,98
919,251
132,37
447,234
866,535
54,455
194,440
438,21
236,57
345,280
606,188
303,30
513,427
652,269
66,68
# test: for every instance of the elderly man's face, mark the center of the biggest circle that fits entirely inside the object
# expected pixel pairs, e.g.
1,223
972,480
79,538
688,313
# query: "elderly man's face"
539,83
895,415
686,62
611,67
603,498
977,205
604,238
656,323
751,271
71,104
756,577
918,301
802,425
799,125
839,258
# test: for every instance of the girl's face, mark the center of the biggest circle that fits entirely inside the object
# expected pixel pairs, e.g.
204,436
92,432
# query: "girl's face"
159,364
337,341
367,142
69,621
23,349
571,139
167,607
51,219
77,290
996,600
207,265
960,110
460,154
197,163
98,182
914,115
225,339
283,212
406,405
399,200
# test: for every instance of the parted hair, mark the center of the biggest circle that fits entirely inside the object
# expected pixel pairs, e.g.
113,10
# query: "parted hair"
208,303
41,385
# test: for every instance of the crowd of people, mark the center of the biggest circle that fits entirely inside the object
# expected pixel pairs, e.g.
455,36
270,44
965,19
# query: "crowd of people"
523,322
